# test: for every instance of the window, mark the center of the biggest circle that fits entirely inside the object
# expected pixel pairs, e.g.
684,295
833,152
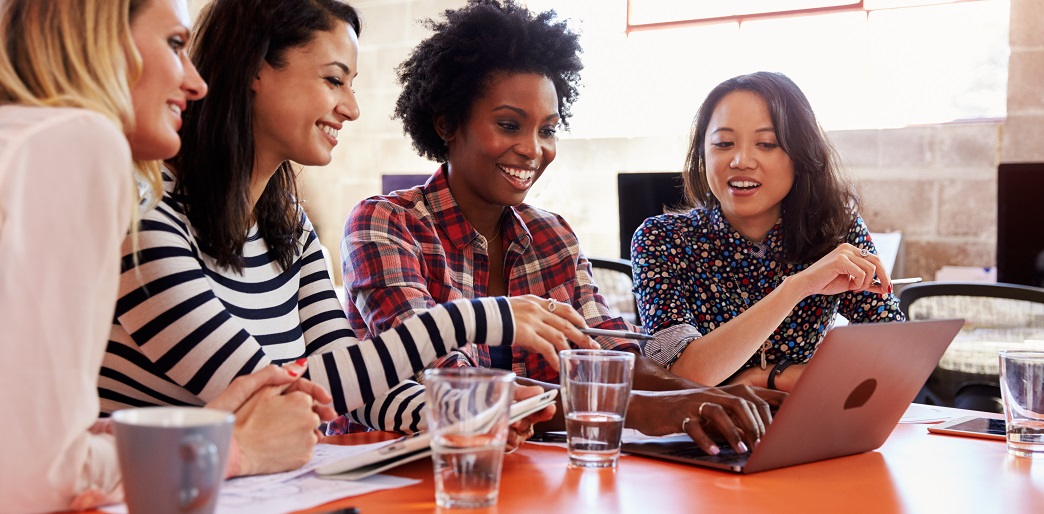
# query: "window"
644,13
883,63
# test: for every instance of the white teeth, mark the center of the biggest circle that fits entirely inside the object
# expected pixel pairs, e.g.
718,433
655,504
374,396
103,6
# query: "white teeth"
522,175
175,109
743,184
330,131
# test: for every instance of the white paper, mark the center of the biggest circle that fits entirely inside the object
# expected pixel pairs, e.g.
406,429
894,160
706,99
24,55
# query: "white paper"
296,490
918,413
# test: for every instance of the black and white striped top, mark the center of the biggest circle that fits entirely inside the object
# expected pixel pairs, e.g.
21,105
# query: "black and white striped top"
185,328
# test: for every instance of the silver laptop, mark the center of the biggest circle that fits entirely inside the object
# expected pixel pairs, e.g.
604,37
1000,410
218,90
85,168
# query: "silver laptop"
850,397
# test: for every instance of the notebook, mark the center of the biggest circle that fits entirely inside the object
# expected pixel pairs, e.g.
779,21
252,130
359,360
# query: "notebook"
414,446
848,400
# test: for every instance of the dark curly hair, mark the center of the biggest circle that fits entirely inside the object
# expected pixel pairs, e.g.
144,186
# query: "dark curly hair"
820,207
449,70
231,40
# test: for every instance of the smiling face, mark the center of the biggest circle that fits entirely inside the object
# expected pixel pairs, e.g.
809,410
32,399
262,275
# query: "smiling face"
168,79
747,170
506,143
300,106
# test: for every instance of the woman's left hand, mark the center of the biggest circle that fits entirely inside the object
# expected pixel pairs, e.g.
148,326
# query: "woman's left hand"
523,429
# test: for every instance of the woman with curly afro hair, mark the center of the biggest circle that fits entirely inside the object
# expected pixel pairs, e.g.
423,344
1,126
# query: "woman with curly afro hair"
485,95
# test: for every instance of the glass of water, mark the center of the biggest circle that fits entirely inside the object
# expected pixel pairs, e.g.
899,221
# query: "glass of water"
596,385
468,419
1022,389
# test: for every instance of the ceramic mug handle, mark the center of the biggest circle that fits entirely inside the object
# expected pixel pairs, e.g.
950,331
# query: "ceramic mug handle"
199,478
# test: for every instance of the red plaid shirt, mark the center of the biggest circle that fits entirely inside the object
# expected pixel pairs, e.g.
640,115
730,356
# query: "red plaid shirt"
409,251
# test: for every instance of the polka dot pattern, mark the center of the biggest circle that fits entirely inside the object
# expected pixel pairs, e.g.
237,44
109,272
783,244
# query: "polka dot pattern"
695,269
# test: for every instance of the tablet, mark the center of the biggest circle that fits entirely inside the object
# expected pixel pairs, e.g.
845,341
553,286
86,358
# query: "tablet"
972,426
415,446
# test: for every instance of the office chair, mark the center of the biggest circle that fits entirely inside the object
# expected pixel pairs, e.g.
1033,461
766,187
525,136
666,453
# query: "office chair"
997,317
616,284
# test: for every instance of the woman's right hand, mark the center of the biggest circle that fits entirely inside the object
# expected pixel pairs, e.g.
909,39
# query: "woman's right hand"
844,269
546,327
277,414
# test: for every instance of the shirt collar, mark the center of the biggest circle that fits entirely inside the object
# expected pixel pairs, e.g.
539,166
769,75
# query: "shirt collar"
448,215
772,245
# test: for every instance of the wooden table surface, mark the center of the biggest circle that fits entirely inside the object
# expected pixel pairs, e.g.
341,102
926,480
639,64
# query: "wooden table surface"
914,471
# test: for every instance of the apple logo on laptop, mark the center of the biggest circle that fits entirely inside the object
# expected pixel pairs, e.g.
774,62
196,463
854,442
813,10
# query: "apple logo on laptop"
859,396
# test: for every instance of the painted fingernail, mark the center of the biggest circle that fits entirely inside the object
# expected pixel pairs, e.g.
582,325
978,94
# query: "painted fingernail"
714,450
301,362
889,288
742,447
291,373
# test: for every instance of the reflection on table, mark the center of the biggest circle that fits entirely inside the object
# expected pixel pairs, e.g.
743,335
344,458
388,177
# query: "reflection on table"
913,472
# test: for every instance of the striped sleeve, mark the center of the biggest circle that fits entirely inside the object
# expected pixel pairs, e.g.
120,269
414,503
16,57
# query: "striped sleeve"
186,328
357,373
399,410
395,354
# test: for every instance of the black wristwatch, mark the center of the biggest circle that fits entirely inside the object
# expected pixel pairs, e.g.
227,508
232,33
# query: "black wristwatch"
778,370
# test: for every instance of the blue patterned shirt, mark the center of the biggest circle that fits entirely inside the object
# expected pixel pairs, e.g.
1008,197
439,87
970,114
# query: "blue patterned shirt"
693,272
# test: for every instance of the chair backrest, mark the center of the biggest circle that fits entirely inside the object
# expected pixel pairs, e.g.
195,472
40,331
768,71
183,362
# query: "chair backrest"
982,305
997,317
616,284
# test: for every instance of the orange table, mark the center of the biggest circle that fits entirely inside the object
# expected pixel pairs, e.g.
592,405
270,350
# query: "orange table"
913,472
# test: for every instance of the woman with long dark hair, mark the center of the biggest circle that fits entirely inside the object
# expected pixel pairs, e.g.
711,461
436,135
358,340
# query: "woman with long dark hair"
230,275
743,287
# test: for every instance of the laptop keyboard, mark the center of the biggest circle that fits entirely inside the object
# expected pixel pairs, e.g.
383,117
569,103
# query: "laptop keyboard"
727,455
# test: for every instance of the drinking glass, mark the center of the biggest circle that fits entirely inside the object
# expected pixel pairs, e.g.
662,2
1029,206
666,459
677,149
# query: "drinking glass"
596,385
1022,390
468,420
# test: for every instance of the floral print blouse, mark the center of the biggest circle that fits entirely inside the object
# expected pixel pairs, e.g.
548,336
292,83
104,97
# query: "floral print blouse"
693,272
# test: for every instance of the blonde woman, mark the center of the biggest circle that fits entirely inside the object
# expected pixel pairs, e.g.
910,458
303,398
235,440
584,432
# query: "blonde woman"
86,89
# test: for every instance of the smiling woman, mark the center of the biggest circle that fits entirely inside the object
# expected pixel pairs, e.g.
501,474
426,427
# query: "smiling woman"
168,81
744,286
72,75
484,95
302,100
231,276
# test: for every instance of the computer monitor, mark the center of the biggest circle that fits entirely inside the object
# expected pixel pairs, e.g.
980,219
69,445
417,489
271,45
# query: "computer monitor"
642,195
1020,223
391,183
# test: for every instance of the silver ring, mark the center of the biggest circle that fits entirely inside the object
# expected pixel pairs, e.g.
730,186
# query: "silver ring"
685,422
699,411
864,252
551,304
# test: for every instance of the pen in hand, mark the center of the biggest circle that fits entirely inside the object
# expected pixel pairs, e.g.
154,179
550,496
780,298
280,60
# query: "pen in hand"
616,333
898,281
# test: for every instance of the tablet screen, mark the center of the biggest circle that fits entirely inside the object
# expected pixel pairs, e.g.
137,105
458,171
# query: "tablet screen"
972,426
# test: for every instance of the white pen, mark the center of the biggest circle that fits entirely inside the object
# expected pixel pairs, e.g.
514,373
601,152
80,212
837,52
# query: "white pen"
897,281
616,333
